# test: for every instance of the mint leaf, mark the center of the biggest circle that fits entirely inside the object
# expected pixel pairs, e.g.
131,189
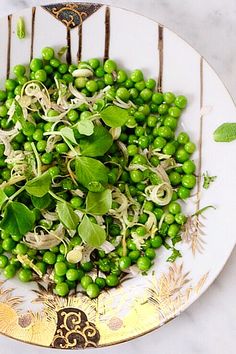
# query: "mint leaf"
39,186
3,198
41,202
85,127
114,116
20,28
67,215
208,180
90,170
98,203
68,134
17,219
93,234
97,144
175,254
226,132
62,51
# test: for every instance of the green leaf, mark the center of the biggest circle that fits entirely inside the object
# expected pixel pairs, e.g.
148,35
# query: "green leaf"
20,28
67,215
114,116
93,234
41,202
39,186
67,133
225,132
90,170
17,219
62,51
97,144
3,198
85,127
98,203
175,254
95,187
208,180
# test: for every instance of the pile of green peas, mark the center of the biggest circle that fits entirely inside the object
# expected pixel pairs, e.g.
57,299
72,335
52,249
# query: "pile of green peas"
153,120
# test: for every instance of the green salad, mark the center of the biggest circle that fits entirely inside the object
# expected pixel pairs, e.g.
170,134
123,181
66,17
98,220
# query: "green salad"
91,174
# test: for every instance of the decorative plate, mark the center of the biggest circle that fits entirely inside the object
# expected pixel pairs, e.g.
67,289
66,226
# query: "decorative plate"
30,312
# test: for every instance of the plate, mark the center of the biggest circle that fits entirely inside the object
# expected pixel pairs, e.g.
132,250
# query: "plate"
33,314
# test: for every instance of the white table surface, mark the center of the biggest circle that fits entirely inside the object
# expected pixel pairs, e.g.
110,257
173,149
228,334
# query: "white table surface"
209,325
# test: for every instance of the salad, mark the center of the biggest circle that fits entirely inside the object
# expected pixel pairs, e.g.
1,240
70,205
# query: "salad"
91,174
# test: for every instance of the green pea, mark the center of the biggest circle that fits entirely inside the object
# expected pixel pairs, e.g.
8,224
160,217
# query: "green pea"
150,84
183,192
47,53
189,167
144,263
157,98
136,75
9,271
76,202
80,82
169,219
141,231
123,94
108,79
36,64
159,142
144,108
110,66
41,75
163,108
101,282
158,213
21,248
156,242
47,158
121,76
169,149
152,121
139,116
42,266
48,69
140,86
188,181
54,171
174,112
62,289
112,280
63,68
165,132
92,86
146,94
180,219
93,291
3,261
100,72
54,62
62,148
173,230
181,155
73,115
25,275
3,95
72,275
170,122
150,253
190,147
10,84
85,281
60,268
174,208
139,131
134,255
8,244
136,176
94,63
49,257
181,102
87,266
175,178
41,145
143,142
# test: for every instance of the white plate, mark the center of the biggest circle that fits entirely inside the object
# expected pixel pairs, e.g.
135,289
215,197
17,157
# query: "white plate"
143,303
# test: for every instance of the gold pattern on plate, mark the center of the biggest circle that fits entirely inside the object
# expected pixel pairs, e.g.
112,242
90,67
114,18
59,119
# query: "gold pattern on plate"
116,315
193,234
